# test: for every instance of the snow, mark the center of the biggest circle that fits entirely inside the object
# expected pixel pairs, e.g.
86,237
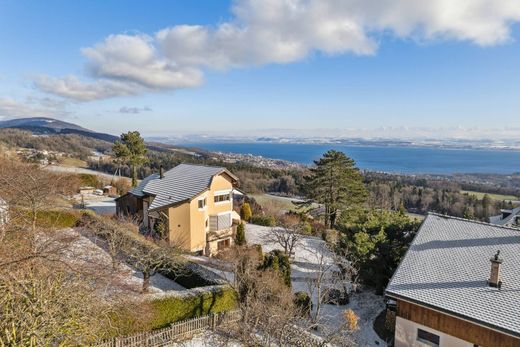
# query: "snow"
305,265
88,252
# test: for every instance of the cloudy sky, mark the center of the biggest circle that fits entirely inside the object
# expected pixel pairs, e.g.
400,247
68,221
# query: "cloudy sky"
180,66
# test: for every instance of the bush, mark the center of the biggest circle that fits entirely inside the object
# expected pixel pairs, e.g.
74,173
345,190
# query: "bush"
240,238
278,261
90,180
267,221
303,301
173,309
336,297
245,212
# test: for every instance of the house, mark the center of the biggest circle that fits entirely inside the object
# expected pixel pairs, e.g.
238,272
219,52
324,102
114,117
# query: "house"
189,205
507,217
458,285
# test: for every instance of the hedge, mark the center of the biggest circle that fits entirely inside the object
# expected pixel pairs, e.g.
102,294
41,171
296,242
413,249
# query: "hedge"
193,304
267,221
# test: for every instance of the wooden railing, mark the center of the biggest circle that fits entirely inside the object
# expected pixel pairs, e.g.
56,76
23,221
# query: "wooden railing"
176,332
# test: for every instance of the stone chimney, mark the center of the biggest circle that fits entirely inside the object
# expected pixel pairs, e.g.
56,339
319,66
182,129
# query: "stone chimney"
494,278
161,173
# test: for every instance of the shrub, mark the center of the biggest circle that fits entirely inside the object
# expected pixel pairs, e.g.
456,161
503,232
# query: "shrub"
278,261
173,309
245,212
336,297
303,301
240,238
267,221
90,180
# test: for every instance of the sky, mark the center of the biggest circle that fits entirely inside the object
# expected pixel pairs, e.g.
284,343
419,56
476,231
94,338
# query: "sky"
165,67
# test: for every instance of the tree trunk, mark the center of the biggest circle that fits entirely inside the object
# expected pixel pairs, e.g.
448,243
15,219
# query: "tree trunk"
146,282
134,175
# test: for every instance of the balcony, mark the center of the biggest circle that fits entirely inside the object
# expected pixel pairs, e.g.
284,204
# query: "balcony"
220,226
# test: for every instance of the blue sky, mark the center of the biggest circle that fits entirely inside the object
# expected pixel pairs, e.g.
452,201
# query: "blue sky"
114,66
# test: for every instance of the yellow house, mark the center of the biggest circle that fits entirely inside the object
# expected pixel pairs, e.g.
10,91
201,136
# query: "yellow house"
190,205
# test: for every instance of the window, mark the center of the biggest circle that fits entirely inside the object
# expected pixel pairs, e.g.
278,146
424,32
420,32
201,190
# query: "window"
202,203
221,245
426,336
222,198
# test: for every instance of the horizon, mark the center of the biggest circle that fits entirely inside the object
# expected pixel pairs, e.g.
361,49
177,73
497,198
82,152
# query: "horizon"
291,68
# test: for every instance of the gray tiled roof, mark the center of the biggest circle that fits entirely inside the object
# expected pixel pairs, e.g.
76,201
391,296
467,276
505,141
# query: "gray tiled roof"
447,267
181,183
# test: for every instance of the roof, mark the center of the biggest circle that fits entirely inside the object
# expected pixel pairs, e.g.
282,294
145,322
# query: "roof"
179,184
447,267
507,220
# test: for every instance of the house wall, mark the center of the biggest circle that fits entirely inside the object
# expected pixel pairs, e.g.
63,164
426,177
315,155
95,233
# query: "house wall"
406,335
220,183
129,204
179,226
448,325
187,223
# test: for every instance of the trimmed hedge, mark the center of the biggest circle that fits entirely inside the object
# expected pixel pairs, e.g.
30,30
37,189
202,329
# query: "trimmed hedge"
194,304
267,221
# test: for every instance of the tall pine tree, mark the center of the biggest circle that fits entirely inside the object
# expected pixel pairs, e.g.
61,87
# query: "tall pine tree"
336,183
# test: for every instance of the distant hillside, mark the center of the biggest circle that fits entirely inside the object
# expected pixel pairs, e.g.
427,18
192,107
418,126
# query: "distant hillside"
50,126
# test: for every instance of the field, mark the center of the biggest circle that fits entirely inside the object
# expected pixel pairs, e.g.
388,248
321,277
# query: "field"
499,197
278,202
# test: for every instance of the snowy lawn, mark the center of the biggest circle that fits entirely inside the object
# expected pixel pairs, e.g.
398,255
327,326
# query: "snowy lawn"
89,254
308,258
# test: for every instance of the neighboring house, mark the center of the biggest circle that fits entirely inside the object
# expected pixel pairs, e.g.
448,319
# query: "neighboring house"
190,205
453,289
507,217
4,213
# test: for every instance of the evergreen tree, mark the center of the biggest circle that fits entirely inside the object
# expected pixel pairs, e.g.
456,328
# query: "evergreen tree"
335,182
245,212
240,238
131,150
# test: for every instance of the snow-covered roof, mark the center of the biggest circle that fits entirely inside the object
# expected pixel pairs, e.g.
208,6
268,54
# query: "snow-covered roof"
181,183
447,267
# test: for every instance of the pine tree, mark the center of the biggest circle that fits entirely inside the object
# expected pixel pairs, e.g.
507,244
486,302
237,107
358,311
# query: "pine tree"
240,238
335,182
131,150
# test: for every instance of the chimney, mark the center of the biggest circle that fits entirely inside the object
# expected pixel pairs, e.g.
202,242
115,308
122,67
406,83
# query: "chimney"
494,278
161,173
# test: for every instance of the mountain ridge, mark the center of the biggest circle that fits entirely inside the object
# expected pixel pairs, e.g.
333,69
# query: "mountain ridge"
51,126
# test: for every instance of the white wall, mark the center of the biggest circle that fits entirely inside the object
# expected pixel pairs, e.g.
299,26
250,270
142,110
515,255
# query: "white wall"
406,336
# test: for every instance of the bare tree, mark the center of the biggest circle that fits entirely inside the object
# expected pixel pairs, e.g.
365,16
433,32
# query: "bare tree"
28,189
149,258
287,234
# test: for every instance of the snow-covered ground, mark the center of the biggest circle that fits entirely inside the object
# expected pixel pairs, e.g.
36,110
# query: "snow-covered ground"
309,257
88,253
103,205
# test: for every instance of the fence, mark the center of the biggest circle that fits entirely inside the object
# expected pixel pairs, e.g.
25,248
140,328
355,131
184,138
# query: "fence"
177,331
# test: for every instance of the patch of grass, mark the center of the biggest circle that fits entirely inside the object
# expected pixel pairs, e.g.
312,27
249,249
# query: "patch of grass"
480,195
278,202
57,219
72,162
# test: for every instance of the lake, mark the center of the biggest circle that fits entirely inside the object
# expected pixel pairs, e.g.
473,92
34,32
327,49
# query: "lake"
385,158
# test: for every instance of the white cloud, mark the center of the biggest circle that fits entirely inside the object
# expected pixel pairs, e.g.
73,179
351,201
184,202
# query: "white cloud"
134,110
12,108
277,31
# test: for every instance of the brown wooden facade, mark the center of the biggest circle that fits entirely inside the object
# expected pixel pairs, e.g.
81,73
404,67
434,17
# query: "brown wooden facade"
460,328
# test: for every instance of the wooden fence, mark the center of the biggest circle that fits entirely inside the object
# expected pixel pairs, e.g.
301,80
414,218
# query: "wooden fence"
176,332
